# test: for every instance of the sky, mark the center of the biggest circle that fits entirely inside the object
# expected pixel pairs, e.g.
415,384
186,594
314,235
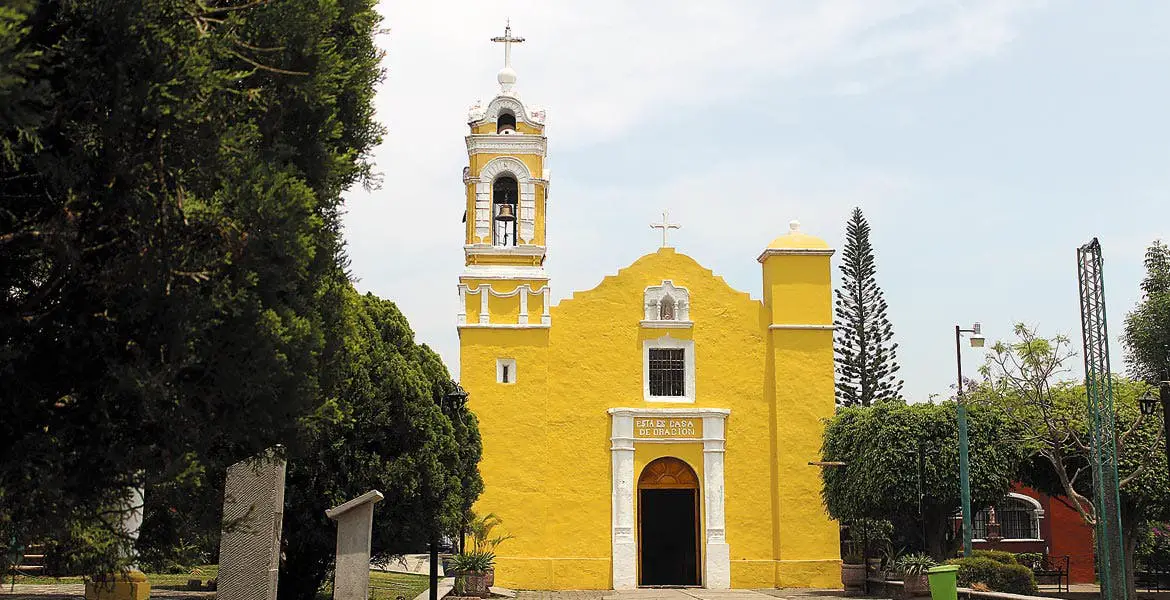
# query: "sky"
984,142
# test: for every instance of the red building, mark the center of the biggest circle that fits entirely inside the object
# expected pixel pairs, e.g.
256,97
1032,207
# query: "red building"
1031,521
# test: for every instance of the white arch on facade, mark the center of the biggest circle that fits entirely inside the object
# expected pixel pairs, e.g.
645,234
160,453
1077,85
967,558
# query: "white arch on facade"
505,165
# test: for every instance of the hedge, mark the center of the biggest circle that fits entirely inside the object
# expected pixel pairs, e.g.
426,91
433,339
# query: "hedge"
999,556
997,576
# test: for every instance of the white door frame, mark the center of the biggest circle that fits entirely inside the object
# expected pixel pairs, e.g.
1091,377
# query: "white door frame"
717,566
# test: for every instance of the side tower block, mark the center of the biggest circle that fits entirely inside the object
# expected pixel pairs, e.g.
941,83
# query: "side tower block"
799,384
503,316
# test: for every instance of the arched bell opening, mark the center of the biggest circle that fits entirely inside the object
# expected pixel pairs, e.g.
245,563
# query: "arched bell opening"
668,524
506,123
505,192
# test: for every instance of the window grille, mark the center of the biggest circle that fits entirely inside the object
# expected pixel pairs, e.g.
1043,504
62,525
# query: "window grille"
1017,520
667,372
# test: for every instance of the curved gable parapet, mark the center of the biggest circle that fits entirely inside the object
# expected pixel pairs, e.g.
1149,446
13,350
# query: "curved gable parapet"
651,269
478,115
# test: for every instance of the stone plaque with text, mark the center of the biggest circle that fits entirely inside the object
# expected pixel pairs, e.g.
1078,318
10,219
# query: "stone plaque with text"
669,428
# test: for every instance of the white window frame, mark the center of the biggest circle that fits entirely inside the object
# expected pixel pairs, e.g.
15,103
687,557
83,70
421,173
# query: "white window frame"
688,347
511,364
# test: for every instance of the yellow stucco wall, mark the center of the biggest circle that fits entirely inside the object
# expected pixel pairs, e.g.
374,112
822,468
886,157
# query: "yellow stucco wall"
547,460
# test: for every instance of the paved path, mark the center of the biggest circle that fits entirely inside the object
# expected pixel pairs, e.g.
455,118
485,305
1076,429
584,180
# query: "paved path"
678,594
419,564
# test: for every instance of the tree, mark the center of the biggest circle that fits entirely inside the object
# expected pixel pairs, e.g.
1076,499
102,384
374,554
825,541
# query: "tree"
881,448
867,361
1147,327
170,187
394,430
1023,382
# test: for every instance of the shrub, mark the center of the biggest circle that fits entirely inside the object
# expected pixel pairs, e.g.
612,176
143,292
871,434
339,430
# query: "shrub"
914,565
474,561
1000,577
1032,560
999,556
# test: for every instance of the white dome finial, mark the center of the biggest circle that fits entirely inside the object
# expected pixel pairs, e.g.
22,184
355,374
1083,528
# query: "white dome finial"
794,226
506,76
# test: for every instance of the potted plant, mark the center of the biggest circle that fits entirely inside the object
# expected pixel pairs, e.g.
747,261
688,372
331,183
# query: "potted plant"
470,570
872,535
483,540
890,557
913,568
853,572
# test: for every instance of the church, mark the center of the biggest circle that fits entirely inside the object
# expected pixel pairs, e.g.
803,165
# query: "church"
656,430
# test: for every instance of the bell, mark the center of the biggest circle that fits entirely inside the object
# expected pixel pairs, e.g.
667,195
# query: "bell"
507,213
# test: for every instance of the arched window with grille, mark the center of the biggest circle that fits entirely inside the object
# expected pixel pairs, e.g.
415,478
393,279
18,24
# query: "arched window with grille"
1018,516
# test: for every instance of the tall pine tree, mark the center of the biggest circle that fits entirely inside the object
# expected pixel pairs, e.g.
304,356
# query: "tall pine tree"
866,354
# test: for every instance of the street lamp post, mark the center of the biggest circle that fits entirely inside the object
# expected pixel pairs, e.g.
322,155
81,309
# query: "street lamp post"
1149,407
964,462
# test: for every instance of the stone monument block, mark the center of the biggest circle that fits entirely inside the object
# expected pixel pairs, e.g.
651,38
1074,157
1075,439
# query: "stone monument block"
253,508
355,526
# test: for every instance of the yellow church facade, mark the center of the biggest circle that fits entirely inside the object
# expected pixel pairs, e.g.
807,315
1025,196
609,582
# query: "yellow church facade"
655,430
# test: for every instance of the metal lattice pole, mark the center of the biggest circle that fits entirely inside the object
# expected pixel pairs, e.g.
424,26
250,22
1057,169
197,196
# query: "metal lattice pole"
1103,430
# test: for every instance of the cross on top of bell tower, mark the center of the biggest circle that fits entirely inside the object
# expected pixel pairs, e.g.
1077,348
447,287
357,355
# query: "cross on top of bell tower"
506,76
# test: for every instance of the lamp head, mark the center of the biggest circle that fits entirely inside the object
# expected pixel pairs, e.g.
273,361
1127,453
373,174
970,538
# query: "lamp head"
1148,404
977,339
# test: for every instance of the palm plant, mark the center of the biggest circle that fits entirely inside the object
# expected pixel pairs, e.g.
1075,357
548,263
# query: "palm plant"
481,529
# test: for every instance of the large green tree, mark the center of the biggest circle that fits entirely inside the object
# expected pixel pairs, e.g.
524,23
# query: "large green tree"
1027,382
1147,327
867,356
170,184
394,427
882,447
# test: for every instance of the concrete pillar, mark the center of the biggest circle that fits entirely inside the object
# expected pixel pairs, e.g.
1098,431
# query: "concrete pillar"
355,526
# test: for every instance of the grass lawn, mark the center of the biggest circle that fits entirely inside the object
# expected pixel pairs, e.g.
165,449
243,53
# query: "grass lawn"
383,586
388,586
159,580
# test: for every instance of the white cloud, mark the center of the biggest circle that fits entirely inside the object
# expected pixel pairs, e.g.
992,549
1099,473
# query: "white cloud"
607,70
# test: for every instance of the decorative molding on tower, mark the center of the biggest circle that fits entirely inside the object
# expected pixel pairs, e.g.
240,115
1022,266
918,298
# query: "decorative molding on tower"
795,252
478,114
484,290
495,143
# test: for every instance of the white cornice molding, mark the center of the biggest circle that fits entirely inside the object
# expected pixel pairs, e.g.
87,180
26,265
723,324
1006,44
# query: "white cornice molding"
488,249
667,324
503,326
795,252
504,272
516,143
669,412
804,326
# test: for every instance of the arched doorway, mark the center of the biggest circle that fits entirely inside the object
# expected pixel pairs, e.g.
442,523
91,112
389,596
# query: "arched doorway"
668,524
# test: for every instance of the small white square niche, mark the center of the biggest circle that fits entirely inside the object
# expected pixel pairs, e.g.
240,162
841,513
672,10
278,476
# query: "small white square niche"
506,371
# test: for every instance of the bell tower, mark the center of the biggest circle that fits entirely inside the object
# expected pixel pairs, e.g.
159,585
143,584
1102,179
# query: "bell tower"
504,283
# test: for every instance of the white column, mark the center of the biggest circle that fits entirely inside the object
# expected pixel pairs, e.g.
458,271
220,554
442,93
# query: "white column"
625,547
132,523
461,316
523,291
484,291
718,565
545,319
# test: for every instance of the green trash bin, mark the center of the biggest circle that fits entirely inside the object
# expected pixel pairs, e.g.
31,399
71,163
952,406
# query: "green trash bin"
944,583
